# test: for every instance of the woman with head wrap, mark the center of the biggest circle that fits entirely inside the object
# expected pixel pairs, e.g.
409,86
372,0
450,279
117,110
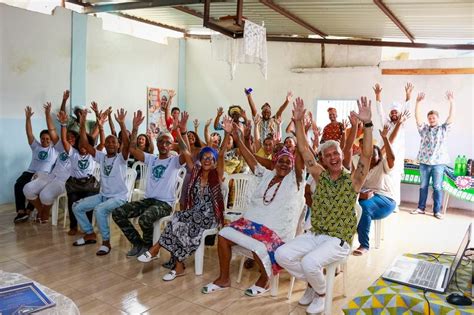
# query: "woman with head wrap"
271,219
205,206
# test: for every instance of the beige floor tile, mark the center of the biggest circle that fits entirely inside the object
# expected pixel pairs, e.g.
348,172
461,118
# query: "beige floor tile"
173,305
95,307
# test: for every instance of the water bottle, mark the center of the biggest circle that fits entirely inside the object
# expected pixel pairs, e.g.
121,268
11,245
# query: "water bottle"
463,167
457,165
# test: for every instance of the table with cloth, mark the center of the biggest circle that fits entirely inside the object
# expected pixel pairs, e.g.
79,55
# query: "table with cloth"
386,297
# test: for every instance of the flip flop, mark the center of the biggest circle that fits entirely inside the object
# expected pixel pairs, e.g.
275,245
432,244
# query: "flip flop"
255,290
82,242
103,250
360,251
211,288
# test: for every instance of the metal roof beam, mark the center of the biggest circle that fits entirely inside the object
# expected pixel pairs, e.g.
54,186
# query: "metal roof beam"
368,43
138,5
394,19
292,17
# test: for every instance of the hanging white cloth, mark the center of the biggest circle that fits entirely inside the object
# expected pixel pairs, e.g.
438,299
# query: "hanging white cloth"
252,48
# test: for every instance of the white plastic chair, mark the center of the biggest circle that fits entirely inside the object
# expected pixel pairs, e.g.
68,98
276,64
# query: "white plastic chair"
139,192
159,225
331,273
96,171
378,227
240,204
55,209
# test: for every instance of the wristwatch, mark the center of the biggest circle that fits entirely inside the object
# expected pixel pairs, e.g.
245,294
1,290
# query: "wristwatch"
368,125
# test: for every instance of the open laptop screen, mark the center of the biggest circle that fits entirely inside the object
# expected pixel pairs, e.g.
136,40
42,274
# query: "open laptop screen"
457,259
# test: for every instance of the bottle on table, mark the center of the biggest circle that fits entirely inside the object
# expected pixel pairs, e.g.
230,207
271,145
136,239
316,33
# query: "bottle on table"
457,166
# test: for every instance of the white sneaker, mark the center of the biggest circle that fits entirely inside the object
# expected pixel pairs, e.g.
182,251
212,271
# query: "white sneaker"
418,211
307,297
146,257
317,306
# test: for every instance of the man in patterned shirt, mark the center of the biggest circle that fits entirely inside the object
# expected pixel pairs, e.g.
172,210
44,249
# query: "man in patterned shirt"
334,221
333,130
433,154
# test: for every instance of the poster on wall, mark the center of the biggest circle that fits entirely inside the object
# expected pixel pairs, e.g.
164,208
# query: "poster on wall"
157,99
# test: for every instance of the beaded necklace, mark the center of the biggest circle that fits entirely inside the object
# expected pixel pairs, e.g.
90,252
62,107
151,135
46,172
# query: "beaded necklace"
271,184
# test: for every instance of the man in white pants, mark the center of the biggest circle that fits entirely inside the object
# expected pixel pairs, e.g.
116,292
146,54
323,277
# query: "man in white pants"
334,221
397,116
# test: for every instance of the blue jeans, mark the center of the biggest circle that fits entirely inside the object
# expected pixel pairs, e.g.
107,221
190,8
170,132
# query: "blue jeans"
375,208
435,172
102,207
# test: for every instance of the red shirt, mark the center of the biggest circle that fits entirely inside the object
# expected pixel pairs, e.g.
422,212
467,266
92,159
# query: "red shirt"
332,131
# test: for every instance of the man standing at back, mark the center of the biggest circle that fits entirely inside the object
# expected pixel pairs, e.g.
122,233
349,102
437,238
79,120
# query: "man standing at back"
433,154
333,130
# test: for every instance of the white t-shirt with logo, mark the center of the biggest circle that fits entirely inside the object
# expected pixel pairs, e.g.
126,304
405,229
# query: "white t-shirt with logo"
42,159
161,177
62,168
113,172
82,166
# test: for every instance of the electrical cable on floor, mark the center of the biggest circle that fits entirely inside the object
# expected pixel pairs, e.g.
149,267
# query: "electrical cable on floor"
427,301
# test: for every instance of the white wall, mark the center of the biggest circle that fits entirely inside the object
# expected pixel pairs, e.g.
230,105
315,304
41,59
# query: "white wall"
35,51
208,85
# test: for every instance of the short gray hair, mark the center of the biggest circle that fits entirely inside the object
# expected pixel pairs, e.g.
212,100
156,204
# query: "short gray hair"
328,144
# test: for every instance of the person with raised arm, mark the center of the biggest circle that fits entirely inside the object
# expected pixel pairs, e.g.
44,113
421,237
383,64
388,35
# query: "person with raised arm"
267,123
45,188
275,207
82,182
43,157
113,189
334,219
160,185
433,153
335,129
204,210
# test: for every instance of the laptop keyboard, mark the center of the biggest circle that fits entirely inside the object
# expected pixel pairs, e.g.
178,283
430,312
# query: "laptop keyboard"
426,274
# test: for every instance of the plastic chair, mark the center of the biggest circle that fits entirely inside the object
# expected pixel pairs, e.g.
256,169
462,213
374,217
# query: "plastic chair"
159,225
240,204
96,171
55,209
331,273
378,227
139,192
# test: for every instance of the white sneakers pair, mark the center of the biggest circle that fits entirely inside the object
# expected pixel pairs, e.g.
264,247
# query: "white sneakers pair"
314,301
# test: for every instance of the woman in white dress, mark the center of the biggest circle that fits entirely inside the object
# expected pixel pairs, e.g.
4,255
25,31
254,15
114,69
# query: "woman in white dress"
272,218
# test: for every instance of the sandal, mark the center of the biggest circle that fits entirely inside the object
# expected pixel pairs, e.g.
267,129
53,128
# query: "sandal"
255,290
170,276
82,241
211,288
146,257
360,251
103,250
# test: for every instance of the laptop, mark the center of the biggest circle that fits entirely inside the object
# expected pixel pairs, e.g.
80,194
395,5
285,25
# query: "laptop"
425,275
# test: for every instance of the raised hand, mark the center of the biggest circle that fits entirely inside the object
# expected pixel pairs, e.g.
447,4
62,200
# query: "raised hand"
184,121
65,95
420,97
409,89
82,116
377,89
298,109
150,134
227,124
208,122
138,118
102,117
196,123
353,119
384,131
450,96
236,131
247,129
345,123
120,116
47,108
28,112
248,91
62,117
95,108
172,93
289,96
364,114
220,111
405,116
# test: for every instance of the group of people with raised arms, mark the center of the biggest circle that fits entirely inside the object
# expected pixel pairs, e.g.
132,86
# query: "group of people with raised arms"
328,174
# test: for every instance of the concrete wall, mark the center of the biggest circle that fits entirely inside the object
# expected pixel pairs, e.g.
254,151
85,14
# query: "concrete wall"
208,86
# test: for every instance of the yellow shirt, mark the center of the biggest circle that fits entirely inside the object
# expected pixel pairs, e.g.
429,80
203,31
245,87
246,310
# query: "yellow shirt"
261,153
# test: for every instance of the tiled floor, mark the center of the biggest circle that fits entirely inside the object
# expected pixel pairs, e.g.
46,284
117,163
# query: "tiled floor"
114,284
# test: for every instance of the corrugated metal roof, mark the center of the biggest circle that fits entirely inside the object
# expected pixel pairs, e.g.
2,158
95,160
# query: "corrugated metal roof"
425,19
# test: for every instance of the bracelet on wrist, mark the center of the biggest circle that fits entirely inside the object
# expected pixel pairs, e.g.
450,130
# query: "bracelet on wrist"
368,124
